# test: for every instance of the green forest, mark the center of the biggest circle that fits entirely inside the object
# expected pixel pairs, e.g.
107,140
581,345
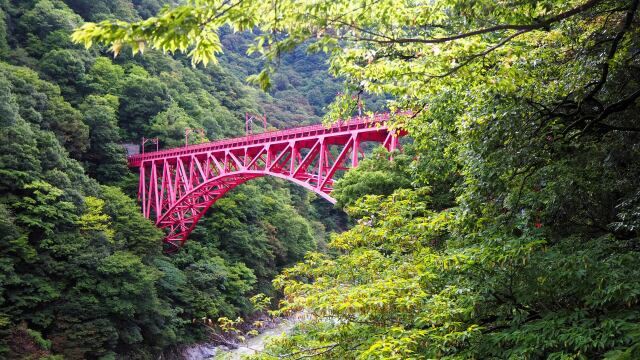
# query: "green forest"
508,227
83,274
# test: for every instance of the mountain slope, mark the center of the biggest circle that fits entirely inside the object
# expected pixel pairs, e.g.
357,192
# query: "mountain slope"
83,275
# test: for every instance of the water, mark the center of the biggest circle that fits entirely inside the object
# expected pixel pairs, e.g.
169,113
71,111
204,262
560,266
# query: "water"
251,346
257,343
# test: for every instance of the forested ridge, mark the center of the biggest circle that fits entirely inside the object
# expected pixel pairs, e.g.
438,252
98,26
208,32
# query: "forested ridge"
82,272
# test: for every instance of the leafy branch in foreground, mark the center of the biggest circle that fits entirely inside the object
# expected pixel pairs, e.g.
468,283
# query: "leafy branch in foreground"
191,27
398,48
512,231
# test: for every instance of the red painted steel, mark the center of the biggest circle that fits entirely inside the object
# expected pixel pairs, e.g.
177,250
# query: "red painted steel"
177,186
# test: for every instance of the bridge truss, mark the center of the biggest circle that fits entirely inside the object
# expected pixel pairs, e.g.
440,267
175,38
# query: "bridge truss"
177,186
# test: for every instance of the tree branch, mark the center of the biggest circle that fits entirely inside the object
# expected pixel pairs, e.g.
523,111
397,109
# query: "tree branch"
484,53
613,49
324,348
520,27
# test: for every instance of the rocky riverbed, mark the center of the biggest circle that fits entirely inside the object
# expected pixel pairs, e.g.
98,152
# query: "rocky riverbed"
253,345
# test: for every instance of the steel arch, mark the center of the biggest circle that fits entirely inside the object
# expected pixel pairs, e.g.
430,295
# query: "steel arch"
177,186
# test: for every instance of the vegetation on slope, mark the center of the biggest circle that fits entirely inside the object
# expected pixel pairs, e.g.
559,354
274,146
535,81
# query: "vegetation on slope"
515,233
81,271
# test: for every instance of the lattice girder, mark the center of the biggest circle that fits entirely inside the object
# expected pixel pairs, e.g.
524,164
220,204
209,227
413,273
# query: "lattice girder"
177,186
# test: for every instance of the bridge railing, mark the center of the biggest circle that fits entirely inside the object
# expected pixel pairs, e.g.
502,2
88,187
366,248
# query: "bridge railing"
244,140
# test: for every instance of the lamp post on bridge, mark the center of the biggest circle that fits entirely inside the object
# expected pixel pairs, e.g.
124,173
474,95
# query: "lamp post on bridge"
188,131
152,140
358,101
248,122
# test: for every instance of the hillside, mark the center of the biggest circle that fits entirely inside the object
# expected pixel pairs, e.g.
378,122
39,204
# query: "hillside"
509,227
82,273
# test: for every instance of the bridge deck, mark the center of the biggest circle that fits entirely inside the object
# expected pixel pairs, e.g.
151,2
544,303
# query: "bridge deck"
310,132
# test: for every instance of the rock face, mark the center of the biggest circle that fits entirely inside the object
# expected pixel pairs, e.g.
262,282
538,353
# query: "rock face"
199,352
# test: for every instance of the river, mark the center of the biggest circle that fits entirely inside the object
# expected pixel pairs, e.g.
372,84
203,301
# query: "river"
253,345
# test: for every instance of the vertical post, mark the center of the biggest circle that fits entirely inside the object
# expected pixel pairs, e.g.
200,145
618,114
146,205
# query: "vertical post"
188,131
294,156
163,185
264,121
172,191
192,172
156,193
153,140
141,190
394,142
176,181
321,160
248,122
153,189
267,163
355,150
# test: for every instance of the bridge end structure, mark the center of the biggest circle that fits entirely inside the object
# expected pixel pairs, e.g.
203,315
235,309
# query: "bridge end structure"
177,186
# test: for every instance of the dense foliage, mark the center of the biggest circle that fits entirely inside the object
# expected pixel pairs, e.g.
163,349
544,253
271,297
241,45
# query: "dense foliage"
81,271
514,229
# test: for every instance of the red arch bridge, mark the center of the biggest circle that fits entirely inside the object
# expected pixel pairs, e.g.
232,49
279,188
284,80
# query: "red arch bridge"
178,185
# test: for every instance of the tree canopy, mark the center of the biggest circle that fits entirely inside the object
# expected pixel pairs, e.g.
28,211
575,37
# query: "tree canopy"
82,275
507,228
513,232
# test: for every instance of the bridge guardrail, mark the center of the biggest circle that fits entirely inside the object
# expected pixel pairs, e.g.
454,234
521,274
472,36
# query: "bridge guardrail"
358,120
